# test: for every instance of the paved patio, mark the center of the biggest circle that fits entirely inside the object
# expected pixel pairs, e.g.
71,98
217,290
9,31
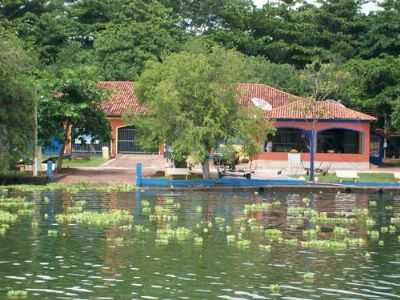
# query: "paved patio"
119,170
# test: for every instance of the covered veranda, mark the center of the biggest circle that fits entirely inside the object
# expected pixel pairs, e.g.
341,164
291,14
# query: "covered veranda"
339,145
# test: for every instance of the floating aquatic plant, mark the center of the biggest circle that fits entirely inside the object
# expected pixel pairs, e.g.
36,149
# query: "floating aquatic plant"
324,244
374,234
7,217
309,277
275,288
291,242
243,244
273,234
17,294
230,238
52,232
381,243
395,220
340,232
310,234
198,241
219,220
113,217
266,248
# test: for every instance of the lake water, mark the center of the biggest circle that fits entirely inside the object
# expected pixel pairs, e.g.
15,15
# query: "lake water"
208,260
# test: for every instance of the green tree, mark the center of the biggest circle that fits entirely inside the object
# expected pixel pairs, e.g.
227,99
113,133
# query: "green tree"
375,88
73,101
382,37
145,30
16,100
192,105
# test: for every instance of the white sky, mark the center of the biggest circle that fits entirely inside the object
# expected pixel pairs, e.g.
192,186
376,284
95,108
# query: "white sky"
367,7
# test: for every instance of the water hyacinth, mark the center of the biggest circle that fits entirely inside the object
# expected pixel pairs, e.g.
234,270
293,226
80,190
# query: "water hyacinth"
273,234
52,232
15,204
16,294
111,218
230,238
198,241
374,234
340,232
6,217
309,277
219,220
395,220
74,188
324,245
257,207
243,244
179,234
310,234
275,288
265,248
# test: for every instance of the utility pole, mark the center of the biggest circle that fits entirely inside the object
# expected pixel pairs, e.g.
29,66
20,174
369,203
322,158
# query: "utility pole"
35,164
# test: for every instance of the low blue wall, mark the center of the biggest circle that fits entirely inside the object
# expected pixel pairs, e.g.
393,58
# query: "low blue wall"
228,182
242,182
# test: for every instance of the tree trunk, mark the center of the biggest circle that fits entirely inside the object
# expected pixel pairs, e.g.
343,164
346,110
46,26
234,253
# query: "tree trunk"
64,145
205,165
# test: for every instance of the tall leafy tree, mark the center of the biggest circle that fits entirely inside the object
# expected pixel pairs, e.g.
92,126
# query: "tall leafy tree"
382,37
73,101
16,99
192,102
375,88
144,31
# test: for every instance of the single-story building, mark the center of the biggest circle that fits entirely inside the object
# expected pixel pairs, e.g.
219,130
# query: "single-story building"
343,134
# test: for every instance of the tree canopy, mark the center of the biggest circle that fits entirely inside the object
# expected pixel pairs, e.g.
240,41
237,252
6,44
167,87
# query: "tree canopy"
16,99
192,101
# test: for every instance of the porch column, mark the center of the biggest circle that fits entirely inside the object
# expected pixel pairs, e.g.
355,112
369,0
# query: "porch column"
313,148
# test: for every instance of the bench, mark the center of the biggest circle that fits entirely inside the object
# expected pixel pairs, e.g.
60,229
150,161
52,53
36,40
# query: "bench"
177,172
353,175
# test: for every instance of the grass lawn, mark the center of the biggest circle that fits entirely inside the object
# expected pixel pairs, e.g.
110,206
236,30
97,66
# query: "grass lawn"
363,177
90,161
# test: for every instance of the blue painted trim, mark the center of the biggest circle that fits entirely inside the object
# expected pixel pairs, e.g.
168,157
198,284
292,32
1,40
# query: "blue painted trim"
225,182
371,184
324,121
139,174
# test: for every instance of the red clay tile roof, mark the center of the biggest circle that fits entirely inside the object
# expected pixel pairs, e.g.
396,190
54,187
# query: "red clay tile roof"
322,110
122,99
261,91
284,105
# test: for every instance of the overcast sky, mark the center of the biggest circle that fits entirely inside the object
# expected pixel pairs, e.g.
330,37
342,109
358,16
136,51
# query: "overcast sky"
367,8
